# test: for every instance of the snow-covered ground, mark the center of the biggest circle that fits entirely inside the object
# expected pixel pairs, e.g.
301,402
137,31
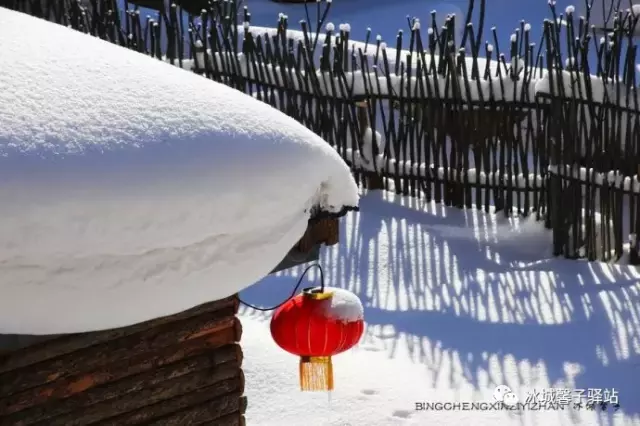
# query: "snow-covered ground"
456,303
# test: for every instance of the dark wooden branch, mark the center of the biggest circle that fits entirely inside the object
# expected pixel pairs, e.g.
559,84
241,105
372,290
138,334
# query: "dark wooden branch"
191,6
373,179
484,124
73,342
64,388
118,350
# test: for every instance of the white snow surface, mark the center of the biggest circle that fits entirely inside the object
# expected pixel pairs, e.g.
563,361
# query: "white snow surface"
456,303
131,189
343,305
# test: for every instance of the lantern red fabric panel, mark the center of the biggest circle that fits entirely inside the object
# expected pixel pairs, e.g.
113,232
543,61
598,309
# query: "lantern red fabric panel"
302,327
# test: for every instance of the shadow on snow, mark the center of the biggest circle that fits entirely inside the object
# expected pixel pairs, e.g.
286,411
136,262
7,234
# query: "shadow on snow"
477,289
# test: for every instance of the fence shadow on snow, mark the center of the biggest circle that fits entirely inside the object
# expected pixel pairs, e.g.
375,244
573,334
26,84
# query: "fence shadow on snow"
471,306
547,127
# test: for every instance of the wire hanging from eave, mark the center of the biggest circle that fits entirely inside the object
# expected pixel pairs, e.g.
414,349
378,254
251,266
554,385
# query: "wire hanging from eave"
293,293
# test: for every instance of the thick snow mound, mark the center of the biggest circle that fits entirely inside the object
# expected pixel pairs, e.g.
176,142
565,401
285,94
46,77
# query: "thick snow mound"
132,189
343,305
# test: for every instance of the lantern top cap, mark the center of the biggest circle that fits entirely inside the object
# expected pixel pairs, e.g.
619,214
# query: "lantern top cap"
317,293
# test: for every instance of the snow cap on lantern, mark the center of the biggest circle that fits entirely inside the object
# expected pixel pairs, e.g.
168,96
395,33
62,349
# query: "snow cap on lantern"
316,325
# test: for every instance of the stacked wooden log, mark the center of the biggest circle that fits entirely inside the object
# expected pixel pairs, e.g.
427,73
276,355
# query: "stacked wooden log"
323,231
320,231
183,369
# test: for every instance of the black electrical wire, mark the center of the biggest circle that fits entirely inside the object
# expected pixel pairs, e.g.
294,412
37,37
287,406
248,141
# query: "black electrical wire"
316,216
295,290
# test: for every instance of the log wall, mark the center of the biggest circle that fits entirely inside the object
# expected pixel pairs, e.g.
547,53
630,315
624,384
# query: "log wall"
183,369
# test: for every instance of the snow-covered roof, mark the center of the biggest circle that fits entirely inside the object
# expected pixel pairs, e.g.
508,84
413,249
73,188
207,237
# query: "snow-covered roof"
132,189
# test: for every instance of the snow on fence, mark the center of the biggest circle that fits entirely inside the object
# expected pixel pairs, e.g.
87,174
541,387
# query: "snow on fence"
539,128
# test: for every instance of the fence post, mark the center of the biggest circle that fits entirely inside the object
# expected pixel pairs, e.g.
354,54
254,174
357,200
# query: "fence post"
372,179
556,206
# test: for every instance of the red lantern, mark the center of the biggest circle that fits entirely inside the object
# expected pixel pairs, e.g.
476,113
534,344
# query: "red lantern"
315,325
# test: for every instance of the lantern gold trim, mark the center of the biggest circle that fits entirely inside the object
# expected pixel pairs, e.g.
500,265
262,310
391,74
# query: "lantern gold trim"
316,373
317,294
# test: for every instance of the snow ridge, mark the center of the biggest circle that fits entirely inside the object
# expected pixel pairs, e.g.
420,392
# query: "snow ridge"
132,189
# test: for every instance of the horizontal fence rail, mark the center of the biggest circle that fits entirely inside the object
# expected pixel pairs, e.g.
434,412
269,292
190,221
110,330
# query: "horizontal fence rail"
549,127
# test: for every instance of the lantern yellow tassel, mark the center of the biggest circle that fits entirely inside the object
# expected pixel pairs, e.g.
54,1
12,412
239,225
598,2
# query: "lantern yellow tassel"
316,373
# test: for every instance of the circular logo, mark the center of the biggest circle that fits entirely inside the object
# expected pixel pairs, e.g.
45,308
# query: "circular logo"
500,392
